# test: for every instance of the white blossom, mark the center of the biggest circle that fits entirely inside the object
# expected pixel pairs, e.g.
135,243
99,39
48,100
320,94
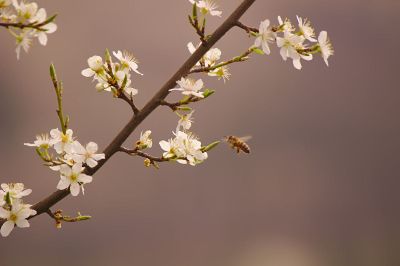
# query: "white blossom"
42,141
26,11
15,190
221,72
306,30
325,46
87,154
190,87
289,45
145,141
207,6
285,25
210,58
62,142
120,76
16,216
73,178
185,121
128,61
185,148
96,67
24,41
265,36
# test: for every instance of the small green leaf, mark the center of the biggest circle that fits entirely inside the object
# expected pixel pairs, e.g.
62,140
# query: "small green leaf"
53,73
210,146
208,92
194,11
184,108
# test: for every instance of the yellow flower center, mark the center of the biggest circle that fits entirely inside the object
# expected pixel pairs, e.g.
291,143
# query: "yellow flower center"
74,177
64,138
13,217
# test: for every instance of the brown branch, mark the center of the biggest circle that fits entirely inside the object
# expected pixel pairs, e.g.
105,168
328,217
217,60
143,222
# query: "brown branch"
142,154
42,206
129,100
246,28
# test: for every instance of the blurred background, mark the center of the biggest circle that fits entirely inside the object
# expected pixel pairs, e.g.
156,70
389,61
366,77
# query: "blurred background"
319,188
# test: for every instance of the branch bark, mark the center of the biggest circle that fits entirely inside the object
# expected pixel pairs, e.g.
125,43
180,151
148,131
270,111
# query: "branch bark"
44,205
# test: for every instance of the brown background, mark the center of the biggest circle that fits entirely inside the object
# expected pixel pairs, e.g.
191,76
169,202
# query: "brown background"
320,188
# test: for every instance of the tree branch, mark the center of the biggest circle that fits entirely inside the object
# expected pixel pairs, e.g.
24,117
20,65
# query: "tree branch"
44,205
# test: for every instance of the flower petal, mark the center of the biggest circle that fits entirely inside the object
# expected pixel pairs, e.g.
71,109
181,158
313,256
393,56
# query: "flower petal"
6,228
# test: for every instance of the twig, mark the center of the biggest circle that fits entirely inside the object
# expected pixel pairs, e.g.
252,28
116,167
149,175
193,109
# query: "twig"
33,25
246,28
175,106
142,154
136,120
241,58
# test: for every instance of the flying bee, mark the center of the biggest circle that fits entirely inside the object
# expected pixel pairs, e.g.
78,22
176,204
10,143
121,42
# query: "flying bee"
239,144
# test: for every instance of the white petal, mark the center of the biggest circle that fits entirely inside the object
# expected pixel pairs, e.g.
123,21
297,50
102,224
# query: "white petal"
78,148
65,170
4,213
87,72
85,178
323,35
26,192
42,37
22,223
91,162
165,145
99,156
74,189
5,187
297,63
50,28
63,183
7,228
77,168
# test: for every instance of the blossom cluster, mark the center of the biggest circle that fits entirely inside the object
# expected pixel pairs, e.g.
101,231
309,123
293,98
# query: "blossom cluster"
185,147
294,44
69,159
113,77
27,21
12,208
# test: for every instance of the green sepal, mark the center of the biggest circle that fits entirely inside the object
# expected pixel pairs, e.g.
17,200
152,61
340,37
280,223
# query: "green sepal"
194,11
258,51
107,57
49,20
7,198
124,82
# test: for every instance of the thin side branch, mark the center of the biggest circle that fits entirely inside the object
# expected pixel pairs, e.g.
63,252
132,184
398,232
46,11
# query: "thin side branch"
241,58
246,28
142,154
44,205
33,25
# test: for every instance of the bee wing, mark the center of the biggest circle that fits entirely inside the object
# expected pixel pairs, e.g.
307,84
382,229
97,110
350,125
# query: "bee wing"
245,138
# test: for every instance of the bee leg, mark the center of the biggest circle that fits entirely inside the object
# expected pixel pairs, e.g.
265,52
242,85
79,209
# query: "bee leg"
237,149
